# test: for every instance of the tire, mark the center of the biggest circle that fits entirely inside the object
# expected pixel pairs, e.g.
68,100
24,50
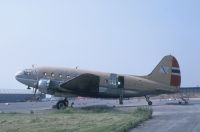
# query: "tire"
121,100
61,104
150,103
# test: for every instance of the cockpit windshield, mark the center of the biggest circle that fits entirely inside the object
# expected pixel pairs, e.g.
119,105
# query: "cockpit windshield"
27,71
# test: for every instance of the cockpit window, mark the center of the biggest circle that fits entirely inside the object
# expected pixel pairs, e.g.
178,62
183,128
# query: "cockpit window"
27,72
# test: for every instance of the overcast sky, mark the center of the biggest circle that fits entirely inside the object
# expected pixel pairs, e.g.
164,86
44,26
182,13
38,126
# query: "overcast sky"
120,36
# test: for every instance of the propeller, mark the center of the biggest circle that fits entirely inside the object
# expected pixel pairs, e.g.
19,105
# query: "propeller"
35,91
36,84
35,87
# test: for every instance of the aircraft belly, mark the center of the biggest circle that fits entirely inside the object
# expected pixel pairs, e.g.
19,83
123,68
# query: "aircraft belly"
116,92
103,89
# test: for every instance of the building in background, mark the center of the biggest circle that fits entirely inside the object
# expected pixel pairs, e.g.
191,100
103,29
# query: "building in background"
19,95
191,92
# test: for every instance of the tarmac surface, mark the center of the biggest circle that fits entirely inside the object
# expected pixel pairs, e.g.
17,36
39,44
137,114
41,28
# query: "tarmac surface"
171,117
168,116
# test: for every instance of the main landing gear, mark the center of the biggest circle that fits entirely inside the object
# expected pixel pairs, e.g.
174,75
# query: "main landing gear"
121,99
62,104
121,96
148,100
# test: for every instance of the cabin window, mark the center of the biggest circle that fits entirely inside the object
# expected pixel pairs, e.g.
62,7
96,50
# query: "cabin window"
52,74
45,74
60,75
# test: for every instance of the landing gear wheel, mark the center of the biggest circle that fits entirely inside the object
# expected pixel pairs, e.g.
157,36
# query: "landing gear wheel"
150,103
121,100
66,101
61,104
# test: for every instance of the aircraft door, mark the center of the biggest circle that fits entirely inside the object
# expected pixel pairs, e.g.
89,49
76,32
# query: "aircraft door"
113,80
116,81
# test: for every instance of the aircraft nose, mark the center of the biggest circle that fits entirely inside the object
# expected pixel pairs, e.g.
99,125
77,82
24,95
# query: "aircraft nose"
18,75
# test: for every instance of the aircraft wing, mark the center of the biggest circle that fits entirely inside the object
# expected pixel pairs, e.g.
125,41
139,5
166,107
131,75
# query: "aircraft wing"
86,83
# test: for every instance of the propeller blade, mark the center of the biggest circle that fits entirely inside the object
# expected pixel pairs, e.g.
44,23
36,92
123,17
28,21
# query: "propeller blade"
35,91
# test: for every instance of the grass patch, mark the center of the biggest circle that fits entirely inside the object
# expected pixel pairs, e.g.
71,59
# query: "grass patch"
89,119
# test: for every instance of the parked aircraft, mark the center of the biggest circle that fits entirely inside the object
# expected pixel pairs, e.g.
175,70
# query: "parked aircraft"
66,82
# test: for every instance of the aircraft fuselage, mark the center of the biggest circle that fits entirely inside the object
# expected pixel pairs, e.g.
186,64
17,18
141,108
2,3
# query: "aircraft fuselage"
107,85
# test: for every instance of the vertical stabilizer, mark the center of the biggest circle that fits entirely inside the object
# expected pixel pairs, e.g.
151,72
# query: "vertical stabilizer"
167,72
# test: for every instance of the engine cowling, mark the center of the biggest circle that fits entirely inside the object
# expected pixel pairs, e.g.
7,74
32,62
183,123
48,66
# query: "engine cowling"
48,86
44,85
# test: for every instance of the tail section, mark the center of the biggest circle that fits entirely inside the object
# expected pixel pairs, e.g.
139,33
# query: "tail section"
167,72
